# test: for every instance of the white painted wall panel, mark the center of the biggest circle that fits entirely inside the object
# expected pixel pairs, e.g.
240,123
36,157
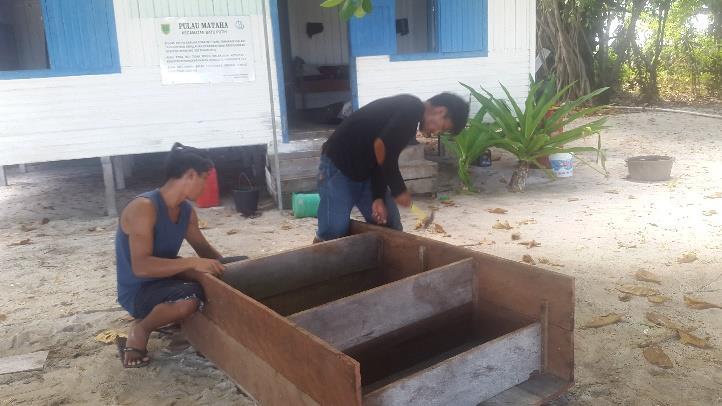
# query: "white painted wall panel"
509,62
49,119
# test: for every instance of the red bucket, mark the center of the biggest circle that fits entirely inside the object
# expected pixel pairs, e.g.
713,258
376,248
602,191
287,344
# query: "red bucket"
209,197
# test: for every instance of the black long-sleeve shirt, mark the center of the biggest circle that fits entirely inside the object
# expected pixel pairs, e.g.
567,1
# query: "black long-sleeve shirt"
395,121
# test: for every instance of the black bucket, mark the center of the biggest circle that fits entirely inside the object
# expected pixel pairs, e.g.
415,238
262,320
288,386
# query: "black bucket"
246,200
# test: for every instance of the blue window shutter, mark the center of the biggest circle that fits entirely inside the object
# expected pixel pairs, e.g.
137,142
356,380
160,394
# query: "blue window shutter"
374,34
81,36
462,25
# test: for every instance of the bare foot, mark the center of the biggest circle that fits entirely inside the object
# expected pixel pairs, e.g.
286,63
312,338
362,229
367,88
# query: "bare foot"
137,339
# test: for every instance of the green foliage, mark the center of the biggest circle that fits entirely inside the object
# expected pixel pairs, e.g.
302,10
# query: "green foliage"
348,8
529,132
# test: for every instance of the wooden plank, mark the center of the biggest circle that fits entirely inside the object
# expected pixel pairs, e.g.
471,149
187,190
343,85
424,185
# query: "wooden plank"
354,320
267,276
307,297
243,366
510,286
297,168
315,368
468,378
111,208
535,391
24,362
300,148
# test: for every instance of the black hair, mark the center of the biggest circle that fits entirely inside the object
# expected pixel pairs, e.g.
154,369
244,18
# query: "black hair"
457,109
182,158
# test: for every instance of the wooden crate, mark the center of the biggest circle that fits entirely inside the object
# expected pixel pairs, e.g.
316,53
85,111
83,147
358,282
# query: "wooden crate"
387,318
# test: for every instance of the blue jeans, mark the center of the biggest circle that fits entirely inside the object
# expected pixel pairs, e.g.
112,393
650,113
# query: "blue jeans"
339,195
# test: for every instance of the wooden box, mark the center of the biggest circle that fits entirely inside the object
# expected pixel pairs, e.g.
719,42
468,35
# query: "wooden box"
387,318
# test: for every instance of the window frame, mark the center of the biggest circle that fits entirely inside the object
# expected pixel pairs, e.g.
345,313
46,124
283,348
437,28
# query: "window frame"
51,72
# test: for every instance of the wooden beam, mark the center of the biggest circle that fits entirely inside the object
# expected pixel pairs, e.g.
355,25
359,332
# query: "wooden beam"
242,365
536,391
326,375
354,320
119,172
471,377
272,275
510,286
111,208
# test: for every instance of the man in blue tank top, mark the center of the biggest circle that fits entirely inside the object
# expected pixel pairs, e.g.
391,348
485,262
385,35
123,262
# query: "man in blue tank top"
154,285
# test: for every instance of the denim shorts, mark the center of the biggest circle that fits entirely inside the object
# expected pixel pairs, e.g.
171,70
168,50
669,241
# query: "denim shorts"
167,290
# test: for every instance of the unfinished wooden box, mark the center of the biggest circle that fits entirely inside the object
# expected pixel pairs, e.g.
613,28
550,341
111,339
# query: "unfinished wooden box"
299,160
387,318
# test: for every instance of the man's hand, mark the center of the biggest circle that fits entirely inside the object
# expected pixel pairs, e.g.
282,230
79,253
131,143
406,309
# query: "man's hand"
404,199
209,266
378,211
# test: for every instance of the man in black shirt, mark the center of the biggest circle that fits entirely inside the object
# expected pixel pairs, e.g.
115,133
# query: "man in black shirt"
360,161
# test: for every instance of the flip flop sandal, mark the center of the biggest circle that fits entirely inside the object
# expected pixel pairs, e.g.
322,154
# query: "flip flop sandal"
122,350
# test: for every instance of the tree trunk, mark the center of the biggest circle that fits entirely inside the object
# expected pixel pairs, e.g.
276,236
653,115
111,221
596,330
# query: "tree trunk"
518,178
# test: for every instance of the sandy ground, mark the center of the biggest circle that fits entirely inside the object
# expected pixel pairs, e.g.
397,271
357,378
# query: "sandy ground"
59,291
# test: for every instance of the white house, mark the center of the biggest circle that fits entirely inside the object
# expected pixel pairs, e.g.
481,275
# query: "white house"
93,78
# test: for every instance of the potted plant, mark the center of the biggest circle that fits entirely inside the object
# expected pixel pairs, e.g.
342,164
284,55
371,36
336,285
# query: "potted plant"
528,135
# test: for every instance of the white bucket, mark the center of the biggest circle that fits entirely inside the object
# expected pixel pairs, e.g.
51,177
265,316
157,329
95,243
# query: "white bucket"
562,165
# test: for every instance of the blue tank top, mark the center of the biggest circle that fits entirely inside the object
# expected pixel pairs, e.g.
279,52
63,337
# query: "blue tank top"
167,239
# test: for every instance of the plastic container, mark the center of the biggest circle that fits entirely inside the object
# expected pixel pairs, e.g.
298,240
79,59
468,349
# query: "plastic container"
209,197
305,204
562,165
650,168
246,197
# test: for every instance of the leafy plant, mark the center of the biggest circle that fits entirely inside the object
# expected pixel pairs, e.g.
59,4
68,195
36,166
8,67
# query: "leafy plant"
527,133
358,8
470,143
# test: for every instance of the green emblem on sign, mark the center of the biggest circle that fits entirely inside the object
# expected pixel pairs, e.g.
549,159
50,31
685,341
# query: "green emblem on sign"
165,28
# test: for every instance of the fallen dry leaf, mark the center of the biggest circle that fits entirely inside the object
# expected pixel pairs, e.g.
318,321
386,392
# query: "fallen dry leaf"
109,336
27,229
657,357
658,299
448,203
687,258
646,276
231,232
502,226
573,199
601,321
717,195
22,242
286,226
516,236
528,259
699,304
439,229
497,210
690,339
530,244
664,321
637,290
625,297
547,261
656,340
487,242
709,212
202,224
612,192
3,317
623,245
526,222
45,220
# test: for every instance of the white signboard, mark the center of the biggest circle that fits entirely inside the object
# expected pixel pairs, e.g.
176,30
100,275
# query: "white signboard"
205,49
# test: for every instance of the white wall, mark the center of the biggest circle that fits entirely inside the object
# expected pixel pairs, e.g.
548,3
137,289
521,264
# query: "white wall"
510,60
327,48
49,119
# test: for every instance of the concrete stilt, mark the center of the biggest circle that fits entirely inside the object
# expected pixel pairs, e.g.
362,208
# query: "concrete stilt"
110,205
22,168
3,176
119,171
